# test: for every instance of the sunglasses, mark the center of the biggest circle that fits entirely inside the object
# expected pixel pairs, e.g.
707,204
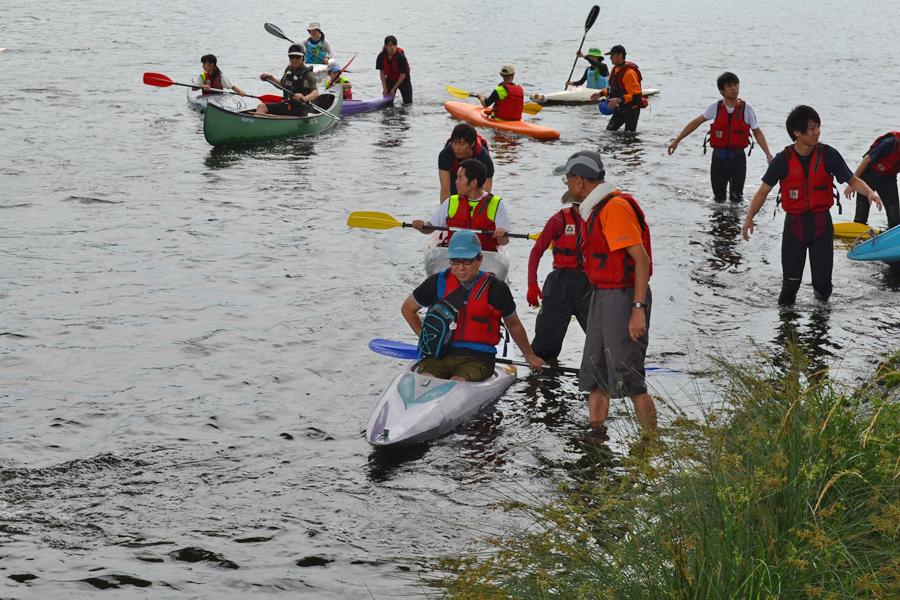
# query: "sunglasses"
292,57
462,261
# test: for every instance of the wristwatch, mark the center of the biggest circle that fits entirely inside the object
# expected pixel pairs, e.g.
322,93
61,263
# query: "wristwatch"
639,305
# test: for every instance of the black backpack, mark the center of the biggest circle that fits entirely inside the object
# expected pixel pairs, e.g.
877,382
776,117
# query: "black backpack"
440,322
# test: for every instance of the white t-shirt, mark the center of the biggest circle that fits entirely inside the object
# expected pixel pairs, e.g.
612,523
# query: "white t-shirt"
226,83
749,114
439,217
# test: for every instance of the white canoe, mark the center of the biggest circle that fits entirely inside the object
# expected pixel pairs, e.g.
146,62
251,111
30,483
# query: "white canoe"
436,259
577,95
230,102
415,408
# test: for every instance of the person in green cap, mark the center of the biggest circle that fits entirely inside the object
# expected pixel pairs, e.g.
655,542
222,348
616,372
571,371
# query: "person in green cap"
596,74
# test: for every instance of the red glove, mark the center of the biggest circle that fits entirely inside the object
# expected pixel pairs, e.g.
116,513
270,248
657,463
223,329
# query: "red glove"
534,295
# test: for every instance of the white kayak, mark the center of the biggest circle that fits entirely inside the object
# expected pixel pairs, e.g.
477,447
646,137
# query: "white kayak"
436,259
229,102
577,95
416,408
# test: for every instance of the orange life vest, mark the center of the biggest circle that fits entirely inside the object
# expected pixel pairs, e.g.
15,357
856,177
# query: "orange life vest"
607,268
617,85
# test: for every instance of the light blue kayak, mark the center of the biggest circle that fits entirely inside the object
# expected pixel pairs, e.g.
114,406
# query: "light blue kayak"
885,246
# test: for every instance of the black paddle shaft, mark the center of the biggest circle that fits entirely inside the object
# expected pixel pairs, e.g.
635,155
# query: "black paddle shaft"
548,367
307,102
482,231
592,16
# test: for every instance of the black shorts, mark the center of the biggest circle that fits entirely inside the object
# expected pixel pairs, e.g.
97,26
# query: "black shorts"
290,109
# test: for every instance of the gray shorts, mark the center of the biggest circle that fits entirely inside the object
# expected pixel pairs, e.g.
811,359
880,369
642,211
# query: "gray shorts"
611,361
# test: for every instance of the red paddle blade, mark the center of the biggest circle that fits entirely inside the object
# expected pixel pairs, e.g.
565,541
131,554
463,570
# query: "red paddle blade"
270,98
157,79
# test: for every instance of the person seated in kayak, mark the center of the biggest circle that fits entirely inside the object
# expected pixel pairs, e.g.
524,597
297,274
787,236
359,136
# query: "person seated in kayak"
878,170
335,78
300,80
595,75
507,98
212,78
472,351
464,143
472,208
318,51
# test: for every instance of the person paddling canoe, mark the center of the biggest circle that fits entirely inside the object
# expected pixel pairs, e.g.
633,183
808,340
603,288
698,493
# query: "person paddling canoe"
596,73
507,98
487,300
472,208
335,78
212,78
464,143
394,69
301,82
318,51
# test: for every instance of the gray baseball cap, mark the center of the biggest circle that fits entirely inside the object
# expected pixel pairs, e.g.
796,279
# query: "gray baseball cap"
585,163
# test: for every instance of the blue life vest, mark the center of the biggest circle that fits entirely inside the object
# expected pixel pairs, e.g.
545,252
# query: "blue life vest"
595,80
315,52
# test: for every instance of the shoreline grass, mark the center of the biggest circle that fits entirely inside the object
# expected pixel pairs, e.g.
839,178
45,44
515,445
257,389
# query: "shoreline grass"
788,489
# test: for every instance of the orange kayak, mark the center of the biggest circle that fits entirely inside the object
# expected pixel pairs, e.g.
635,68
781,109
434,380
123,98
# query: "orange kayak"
477,116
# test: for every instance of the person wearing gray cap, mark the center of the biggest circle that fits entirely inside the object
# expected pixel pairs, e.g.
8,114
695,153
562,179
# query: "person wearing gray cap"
567,291
507,98
624,91
481,301
618,263
318,51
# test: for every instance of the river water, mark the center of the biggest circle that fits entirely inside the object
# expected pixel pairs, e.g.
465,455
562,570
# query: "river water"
184,378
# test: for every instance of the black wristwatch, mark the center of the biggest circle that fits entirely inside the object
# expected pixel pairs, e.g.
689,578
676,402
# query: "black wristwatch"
639,305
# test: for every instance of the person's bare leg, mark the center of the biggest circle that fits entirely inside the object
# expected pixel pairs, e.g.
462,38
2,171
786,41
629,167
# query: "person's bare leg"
598,407
261,109
645,411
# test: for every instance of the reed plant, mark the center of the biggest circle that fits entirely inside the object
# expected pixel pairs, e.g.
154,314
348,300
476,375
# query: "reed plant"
787,488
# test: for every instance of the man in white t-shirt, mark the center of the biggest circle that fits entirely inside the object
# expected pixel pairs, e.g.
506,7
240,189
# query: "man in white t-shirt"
732,122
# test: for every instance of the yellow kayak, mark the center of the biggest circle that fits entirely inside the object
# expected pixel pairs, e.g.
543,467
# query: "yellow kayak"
851,231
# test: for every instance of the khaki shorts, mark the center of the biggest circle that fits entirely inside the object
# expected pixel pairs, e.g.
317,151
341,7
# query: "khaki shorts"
467,367
611,361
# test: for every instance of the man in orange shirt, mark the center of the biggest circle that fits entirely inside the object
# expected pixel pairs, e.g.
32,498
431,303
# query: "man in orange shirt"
624,91
616,247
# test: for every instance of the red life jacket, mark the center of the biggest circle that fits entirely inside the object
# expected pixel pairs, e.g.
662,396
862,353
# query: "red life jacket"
391,67
607,268
348,92
567,247
215,82
510,108
478,321
890,164
800,193
729,130
476,150
478,217
617,84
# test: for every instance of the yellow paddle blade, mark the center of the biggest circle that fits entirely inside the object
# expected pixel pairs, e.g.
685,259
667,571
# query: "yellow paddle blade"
372,220
532,109
533,236
458,93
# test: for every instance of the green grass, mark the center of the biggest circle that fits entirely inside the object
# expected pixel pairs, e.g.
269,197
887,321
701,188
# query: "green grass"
788,489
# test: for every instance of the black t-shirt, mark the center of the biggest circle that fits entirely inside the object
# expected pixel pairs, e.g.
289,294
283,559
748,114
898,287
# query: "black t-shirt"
447,162
834,164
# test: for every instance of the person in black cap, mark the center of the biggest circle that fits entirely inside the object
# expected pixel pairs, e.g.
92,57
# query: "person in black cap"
624,91
300,80
618,263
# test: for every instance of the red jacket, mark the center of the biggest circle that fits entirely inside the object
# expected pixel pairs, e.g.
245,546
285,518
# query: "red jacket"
890,164
607,268
478,321
729,130
479,217
391,67
510,108
800,194
567,247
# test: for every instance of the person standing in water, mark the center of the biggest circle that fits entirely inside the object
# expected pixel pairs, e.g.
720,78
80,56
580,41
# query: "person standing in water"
729,134
624,91
394,69
878,169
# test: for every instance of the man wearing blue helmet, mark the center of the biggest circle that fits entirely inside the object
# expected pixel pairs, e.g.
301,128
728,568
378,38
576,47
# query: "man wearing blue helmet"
476,330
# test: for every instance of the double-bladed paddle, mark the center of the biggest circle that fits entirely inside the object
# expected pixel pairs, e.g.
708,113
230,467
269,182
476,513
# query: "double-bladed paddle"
308,103
378,220
160,80
530,108
277,32
592,16
410,352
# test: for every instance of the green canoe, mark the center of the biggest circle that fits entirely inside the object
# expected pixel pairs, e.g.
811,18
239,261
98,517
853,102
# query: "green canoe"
225,128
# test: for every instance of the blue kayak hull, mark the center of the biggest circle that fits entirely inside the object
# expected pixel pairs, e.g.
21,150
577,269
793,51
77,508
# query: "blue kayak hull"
352,107
885,246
